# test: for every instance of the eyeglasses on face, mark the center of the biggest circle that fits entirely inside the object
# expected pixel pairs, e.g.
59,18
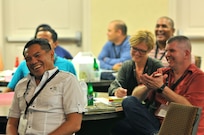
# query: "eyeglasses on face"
142,52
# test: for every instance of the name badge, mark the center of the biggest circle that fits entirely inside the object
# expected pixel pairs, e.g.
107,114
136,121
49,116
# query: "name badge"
162,110
22,125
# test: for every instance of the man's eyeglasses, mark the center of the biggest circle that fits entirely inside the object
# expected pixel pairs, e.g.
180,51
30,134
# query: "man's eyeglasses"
142,52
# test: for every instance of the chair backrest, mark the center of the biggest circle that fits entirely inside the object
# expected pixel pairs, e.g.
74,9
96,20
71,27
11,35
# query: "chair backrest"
180,120
198,61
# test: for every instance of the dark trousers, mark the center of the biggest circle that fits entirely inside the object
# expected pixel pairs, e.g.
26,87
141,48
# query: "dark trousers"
138,120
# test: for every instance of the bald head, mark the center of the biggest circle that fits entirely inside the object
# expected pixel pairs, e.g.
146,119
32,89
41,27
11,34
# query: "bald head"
120,25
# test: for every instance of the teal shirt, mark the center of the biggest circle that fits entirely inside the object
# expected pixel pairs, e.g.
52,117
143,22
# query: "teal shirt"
22,70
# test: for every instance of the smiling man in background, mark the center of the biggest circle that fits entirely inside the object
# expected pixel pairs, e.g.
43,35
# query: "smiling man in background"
164,29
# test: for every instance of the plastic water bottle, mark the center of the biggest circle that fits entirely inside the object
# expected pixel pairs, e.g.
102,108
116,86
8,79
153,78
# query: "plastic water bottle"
84,90
90,97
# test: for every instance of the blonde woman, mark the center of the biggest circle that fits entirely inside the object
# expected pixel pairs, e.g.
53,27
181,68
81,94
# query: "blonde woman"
142,42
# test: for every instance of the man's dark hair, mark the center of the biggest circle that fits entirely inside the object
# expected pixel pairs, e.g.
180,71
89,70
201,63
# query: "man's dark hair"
42,42
41,26
52,31
171,22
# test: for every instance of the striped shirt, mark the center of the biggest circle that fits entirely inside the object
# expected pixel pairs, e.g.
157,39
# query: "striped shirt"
159,54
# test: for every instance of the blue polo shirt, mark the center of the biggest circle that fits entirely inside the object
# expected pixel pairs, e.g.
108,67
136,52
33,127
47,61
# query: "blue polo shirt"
23,70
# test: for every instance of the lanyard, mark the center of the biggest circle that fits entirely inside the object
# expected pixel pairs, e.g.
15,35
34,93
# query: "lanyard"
157,51
34,97
151,104
117,55
173,86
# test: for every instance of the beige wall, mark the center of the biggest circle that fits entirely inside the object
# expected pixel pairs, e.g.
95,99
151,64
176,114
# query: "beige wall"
138,14
19,20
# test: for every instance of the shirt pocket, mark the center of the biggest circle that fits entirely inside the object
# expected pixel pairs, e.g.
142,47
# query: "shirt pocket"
22,101
49,98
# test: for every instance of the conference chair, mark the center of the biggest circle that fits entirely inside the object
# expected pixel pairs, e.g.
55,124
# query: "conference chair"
180,120
198,61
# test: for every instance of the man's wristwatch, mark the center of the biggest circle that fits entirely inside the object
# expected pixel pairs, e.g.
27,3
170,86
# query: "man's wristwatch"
160,90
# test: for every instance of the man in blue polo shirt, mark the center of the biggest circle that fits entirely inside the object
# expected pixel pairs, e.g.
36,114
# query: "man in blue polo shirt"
117,49
59,62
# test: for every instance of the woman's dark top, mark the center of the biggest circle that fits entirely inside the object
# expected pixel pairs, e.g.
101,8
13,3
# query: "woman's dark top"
127,77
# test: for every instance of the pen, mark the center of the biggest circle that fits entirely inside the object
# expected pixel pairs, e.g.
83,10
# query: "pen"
118,83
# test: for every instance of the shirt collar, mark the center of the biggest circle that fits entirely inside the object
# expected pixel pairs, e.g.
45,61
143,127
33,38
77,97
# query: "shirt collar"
46,75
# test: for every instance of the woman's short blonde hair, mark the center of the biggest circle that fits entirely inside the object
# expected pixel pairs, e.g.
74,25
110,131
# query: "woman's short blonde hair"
143,36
